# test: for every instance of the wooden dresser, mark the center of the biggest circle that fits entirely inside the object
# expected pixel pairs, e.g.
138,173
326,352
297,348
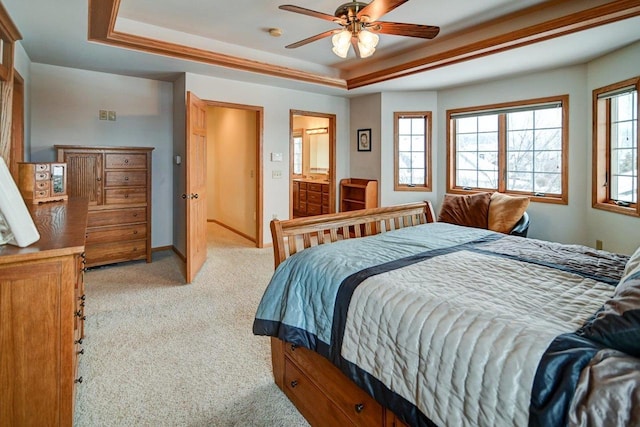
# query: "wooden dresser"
117,182
42,318
310,198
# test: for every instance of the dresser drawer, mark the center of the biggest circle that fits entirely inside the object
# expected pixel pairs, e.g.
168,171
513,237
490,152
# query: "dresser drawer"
100,218
325,188
361,408
317,408
314,197
116,233
314,209
313,186
325,199
42,185
125,178
106,253
121,196
303,195
125,161
42,176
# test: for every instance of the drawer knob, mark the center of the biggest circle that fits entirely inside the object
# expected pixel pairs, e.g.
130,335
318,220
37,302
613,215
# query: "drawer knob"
81,351
78,341
294,384
126,178
135,215
78,380
126,161
98,179
359,407
135,231
126,196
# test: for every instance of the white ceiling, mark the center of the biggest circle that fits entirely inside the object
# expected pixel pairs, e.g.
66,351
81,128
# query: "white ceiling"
55,32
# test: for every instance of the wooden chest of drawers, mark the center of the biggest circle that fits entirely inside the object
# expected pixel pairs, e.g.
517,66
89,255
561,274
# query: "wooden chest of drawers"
42,306
117,181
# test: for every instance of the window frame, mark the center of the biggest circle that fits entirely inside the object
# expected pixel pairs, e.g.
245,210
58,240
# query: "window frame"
428,182
297,133
562,198
601,157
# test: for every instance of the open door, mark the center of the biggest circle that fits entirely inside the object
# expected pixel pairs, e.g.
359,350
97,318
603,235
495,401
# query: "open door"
196,181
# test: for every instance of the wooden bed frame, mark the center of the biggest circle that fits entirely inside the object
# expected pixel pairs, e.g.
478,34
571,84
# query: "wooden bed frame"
322,394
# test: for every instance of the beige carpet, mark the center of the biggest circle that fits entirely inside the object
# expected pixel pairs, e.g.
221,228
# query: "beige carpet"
161,353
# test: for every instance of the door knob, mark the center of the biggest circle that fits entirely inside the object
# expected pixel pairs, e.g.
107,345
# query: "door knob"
184,196
194,196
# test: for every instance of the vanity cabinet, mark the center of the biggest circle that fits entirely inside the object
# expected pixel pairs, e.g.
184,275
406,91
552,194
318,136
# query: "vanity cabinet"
117,183
310,198
42,310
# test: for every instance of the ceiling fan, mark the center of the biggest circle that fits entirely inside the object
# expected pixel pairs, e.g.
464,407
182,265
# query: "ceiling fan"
359,22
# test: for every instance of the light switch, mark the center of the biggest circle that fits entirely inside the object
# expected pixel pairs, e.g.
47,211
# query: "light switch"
276,157
112,116
102,115
276,174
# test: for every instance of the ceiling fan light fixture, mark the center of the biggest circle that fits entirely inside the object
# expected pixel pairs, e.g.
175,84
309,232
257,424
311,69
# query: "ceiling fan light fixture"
341,42
367,42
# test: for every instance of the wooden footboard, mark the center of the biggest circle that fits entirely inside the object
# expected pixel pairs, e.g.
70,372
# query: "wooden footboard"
324,395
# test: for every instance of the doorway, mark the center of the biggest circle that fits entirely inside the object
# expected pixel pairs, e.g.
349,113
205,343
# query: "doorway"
312,163
234,168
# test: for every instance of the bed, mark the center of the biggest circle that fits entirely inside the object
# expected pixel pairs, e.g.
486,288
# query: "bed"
387,317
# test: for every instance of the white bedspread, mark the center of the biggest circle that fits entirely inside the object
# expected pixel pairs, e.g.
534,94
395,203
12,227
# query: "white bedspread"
463,343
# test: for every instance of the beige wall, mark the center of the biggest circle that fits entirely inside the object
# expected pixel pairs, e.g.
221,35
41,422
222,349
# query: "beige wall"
231,168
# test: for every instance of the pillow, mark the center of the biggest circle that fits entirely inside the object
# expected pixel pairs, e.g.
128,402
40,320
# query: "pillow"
505,211
633,265
617,324
470,210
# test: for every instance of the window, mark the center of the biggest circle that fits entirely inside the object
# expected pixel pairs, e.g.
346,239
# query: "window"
615,147
518,148
412,148
297,152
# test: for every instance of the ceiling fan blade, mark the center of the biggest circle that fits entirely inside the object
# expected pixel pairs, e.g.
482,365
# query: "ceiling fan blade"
377,8
312,39
313,13
399,29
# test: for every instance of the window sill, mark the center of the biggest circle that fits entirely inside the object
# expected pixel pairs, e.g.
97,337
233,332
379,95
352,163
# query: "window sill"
612,207
413,188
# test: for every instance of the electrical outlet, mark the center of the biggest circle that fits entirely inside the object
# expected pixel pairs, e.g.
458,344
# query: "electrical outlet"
599,244
102,115
112,116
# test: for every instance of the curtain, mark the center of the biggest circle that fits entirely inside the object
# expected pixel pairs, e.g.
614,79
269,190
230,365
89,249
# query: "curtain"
6,94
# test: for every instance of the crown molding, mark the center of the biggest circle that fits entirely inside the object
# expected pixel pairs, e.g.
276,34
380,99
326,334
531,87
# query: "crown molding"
537,23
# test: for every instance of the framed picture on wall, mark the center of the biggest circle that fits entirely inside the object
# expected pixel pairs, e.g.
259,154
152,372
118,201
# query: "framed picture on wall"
364,139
